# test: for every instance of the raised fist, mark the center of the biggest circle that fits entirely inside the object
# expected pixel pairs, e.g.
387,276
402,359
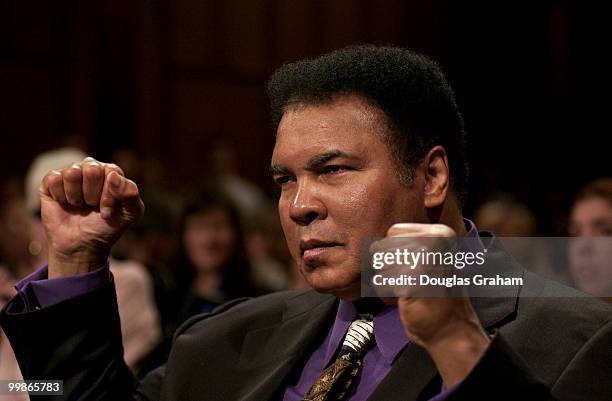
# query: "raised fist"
446,325
85,208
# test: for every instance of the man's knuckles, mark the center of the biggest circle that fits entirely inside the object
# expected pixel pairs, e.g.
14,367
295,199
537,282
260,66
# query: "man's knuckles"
93,171
109,167
73,174
88,180
131,189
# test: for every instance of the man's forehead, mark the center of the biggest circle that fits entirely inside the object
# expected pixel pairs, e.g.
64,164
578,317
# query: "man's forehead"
340,108
310,154
348,124
304,145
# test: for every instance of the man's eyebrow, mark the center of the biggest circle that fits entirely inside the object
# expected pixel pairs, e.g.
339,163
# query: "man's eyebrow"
322,158
279,169
600,222
312,164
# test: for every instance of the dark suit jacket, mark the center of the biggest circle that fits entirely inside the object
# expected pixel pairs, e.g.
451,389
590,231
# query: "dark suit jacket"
251,349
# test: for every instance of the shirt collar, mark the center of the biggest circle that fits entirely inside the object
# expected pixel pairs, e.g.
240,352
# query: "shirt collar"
344,316
390,334
471,241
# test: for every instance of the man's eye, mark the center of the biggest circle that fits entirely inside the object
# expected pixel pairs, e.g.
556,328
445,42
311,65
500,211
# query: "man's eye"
606,231
282,180
332,169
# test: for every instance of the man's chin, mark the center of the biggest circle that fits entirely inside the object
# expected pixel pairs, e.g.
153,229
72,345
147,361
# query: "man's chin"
350,291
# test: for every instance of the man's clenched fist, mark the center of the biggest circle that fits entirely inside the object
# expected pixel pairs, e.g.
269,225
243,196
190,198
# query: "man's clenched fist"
446,326
85,208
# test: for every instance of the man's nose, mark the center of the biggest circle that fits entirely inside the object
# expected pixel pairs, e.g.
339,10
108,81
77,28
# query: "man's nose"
306,206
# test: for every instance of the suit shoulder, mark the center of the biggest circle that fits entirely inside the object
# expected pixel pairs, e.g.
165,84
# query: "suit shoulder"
553,324
559,314
558,301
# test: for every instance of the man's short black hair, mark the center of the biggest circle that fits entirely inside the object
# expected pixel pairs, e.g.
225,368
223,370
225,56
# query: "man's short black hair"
409,88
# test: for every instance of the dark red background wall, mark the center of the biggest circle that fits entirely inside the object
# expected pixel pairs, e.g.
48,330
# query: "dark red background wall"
165,77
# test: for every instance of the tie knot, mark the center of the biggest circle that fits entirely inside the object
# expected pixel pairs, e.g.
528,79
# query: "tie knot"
336,380
359,334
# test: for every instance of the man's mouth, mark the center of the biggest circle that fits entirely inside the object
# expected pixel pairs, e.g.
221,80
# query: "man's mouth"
313,248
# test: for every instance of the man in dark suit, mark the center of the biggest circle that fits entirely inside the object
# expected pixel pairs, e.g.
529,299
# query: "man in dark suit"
369,142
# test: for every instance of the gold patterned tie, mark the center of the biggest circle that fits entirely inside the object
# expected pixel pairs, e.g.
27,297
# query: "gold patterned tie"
335,381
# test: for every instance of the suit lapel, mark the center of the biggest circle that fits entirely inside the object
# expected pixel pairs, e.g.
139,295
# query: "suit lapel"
495,305
410,374
269,354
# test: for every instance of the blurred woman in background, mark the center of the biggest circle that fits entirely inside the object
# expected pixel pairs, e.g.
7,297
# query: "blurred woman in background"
590,254
212,266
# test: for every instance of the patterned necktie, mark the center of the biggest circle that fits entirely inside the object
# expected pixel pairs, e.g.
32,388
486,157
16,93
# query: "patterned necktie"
336,380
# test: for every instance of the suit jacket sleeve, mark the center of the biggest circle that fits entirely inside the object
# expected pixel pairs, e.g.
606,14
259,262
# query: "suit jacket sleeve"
78,341
501,374
589,374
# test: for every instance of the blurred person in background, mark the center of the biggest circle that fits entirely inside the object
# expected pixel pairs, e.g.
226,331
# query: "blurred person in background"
273,269
15,258
212,265
151,242
268,252
224,171
22,239
590,255
9,369
506,217
7,286
517,227
140,326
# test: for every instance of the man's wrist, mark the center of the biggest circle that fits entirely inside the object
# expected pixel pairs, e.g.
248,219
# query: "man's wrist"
458,350
62,265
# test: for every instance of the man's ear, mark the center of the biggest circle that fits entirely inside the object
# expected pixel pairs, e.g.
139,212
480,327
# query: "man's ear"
437,178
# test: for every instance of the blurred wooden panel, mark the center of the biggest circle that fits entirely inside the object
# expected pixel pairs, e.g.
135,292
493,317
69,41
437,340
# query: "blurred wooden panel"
202,110
32,26
31,113
118,8
80,70
245,44
421,27
148,91
193,30
342,23
294,36
386,21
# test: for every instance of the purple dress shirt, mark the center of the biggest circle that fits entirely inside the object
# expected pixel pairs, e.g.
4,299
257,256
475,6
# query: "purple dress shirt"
390,339
37,291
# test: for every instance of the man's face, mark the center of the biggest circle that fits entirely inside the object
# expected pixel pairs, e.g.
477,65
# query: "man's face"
339,185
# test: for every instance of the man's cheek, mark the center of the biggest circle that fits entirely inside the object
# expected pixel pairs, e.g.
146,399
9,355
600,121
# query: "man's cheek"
288,229
296,255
